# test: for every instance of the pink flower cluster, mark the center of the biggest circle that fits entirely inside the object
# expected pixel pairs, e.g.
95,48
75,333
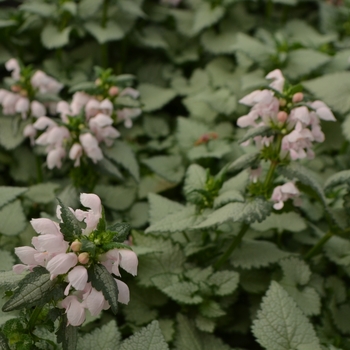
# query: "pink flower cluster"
282,193
301,123
60,257
17,101
95,128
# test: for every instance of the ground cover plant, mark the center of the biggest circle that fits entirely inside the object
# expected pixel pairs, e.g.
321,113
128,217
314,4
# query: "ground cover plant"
175,174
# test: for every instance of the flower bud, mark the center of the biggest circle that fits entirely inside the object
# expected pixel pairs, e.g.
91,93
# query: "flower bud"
298,97
23,93
282,116
283,102
16,88
113,91
83,258
75,246
98,82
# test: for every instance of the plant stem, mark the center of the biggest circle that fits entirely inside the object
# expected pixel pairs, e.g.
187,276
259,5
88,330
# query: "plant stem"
317,247
270,173
236,241
33,317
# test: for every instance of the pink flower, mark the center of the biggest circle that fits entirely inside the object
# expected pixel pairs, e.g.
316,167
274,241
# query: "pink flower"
128,261
75,310
123,292
46,226
283,193
22,106
80,99
13,66
45,84
127,114
323,111
75,153
91,148
100,125
54,158
30,131
77,278
92,216
95,301
278,80
61,264
37,109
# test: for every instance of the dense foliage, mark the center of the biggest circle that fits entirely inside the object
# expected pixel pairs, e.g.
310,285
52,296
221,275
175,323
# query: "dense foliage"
209,138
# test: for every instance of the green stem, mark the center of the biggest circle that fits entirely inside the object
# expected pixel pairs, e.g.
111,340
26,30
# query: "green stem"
318,246
33,317
236,241
270,173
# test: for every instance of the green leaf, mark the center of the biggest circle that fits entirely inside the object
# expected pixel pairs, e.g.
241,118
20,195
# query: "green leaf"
291,221
225,282
195,179
337,249
8,194
132,8
205,324
281,325
189,338
42,193
138,214
9,279
167,328
219,43
153,184
107,167
32,289
41,9
167,258
206,15
255,254
148,338
4,23
122,231
67,335
304,61
3,342
87,8
112,31
223,101
103,281
189,131
183,293
70,7
179,221
243,162
70,226
116,197
152,37
263,130
296,274
305,176
12,218
160,207
340,178
211,309
154,97
249,212
212,149
168,167
11,136
122,154
338,97
155,127
106,337
53,38
253,48
228,197
7,261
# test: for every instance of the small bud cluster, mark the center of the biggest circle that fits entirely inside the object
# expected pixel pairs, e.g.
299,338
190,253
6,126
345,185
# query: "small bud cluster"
295,126
70,262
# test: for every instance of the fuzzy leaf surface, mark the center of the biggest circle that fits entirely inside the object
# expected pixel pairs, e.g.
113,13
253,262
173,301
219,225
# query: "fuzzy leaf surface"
67,335
70,227
160,207
9,279
291,221
42,193
195,179
122,154
340,178
255,254
263,130
249,212
8,194
281,325
103,281
243,162
183,292
154,97
32,289
53,38
168,167
106,337
12,218
112,31
226,282
148,338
